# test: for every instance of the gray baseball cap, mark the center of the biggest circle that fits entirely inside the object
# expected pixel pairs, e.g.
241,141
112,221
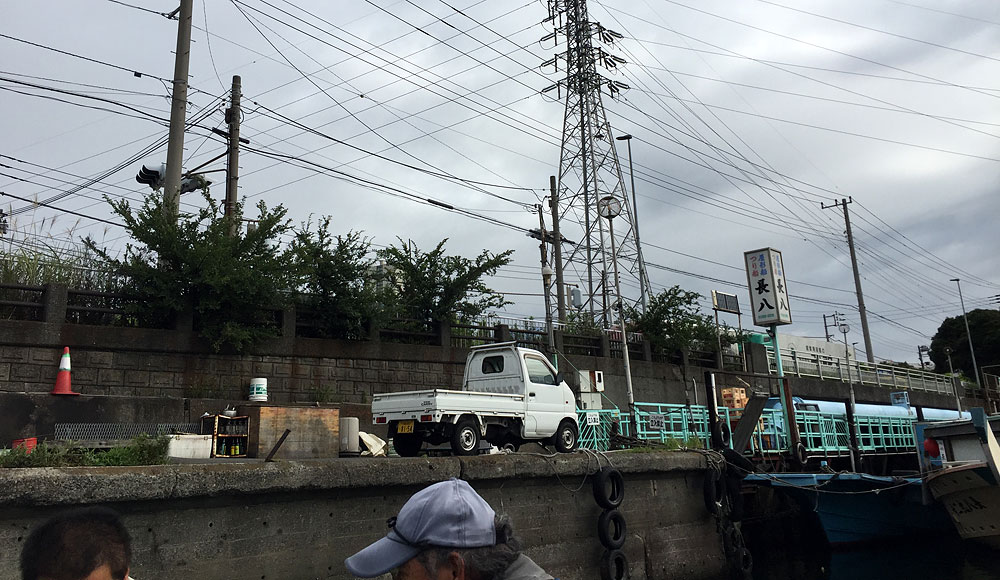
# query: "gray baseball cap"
449,514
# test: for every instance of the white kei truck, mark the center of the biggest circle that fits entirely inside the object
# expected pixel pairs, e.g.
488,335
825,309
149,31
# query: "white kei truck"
509,395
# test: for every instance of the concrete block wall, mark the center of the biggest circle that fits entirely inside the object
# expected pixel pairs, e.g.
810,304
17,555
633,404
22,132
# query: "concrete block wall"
343,376
300,520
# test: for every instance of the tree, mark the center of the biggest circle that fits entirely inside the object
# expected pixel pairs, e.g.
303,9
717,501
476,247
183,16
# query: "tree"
339,276
232,283
985,327
672,322
432,286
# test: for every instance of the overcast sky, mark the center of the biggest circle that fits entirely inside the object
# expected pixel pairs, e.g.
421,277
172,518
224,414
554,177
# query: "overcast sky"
746,116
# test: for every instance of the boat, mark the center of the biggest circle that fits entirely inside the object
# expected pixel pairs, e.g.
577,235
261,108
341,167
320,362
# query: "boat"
961,462
857,508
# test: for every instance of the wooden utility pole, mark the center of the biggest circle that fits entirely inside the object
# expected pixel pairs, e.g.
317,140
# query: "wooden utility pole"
857,277
178,113
557,247
233,116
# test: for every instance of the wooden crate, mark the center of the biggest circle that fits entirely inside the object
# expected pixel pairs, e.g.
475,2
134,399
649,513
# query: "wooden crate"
315,431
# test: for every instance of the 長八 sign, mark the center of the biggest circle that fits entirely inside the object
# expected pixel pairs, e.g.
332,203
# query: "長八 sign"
768,292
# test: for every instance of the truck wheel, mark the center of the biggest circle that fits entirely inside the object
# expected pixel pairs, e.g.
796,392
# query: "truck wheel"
407,444
465,438
567,438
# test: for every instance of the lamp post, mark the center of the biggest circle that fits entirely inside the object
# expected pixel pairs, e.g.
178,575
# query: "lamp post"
608,207
635,223
954,385
968,333
844,328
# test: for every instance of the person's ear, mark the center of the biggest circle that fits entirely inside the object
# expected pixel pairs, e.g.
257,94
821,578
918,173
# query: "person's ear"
456,567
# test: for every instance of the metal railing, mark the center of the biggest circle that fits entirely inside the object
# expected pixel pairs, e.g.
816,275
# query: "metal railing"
822,434
798,364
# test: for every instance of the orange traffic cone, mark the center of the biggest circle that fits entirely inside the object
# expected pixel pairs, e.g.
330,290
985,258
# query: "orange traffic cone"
62,379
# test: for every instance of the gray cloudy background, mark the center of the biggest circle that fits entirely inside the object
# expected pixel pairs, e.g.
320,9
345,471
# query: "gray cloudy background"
746,115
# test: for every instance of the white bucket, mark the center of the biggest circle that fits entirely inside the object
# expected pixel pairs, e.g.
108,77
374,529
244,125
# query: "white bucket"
258,389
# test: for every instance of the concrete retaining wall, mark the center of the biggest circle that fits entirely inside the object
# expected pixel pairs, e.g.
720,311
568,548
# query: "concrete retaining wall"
300,520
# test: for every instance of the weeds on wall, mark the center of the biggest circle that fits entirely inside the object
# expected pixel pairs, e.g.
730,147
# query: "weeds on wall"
142,450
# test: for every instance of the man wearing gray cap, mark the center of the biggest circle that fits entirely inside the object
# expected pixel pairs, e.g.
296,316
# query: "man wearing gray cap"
446,531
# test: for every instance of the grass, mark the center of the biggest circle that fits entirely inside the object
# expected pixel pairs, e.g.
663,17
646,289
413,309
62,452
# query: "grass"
142,450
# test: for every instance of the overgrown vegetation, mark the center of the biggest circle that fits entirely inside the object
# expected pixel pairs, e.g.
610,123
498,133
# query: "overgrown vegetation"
433,286
345,292
232,283
673,322
142,450
984,324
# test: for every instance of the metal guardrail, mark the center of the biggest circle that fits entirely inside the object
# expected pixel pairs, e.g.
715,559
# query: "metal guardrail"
823,367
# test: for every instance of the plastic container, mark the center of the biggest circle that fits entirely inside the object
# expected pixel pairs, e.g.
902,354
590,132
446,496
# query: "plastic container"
349,439
258,389
28,443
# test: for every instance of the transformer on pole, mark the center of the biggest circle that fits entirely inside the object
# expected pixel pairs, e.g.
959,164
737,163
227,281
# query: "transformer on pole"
589,169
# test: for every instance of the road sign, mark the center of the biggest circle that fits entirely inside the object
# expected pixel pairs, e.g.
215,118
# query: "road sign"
768,292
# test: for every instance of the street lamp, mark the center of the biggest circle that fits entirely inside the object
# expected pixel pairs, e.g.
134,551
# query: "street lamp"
635,223
845,328
609,207
968,333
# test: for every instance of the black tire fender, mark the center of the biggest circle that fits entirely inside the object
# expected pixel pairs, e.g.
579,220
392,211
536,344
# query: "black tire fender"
609,488
722,434
614,565
801,455
611,529
714,488
732,540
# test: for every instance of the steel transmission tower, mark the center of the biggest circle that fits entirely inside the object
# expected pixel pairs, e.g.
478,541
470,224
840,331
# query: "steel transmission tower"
588,166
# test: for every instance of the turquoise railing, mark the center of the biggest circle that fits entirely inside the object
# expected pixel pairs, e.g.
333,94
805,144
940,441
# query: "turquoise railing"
596,427
820,433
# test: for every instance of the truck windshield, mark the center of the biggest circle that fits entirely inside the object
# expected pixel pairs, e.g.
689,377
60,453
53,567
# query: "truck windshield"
538,371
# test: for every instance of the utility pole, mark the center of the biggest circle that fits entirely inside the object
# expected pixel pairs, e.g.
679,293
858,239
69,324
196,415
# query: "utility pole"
557,247
233,117
869,352
178,113
826,327
546,280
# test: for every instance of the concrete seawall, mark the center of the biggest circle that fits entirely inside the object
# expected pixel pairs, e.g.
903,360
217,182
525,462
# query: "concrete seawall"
299,520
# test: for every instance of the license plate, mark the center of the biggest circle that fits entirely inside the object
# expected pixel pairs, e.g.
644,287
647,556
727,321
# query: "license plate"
404,427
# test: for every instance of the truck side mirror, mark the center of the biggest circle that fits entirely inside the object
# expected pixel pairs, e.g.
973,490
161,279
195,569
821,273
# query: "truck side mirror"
559,378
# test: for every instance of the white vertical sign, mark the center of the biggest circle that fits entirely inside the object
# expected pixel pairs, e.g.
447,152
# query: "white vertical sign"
768,293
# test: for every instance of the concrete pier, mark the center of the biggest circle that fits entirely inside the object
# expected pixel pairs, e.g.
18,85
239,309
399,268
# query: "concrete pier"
299,520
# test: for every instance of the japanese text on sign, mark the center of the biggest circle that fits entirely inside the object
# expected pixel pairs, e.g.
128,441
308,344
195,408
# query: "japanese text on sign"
768,292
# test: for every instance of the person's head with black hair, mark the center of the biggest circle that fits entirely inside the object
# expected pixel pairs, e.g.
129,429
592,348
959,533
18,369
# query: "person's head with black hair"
81,544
